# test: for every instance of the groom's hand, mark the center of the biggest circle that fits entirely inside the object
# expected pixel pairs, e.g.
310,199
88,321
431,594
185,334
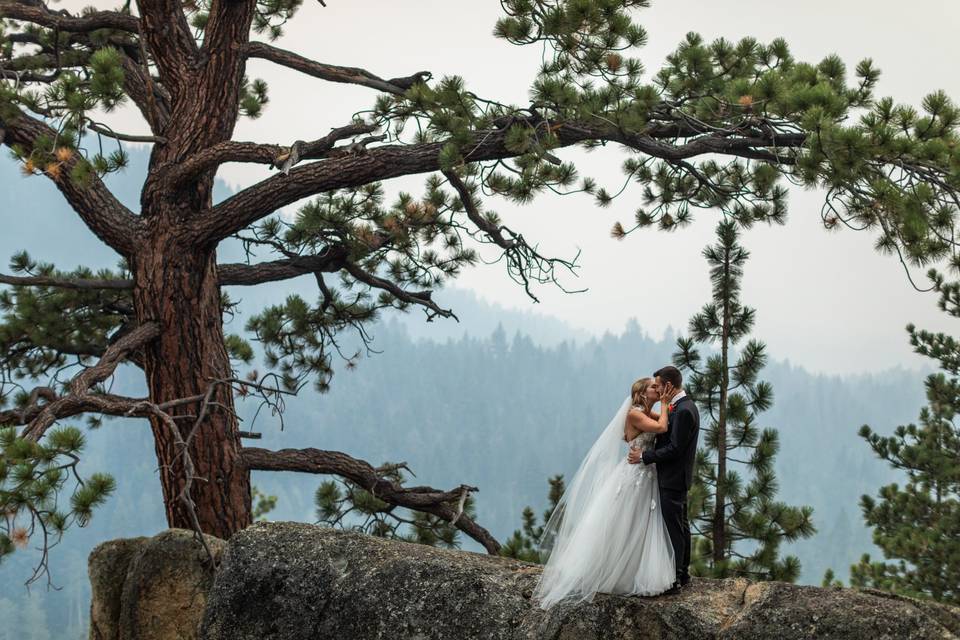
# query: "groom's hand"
635,456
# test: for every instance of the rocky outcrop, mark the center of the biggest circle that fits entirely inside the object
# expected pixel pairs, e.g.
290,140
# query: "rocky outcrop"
290,581
107,567
150,588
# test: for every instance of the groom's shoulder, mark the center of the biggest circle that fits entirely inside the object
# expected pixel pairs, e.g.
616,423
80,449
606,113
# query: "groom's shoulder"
687,404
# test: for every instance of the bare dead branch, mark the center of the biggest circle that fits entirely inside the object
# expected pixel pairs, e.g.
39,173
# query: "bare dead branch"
420,298
333,73
125,137
525,264
425,499
189,470
78,400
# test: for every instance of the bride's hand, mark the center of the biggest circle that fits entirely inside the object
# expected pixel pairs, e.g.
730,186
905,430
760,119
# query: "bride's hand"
666,394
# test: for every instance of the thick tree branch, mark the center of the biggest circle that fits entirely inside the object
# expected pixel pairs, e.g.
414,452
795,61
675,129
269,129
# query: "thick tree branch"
151,98
64,283
165,33
274,155
333,73
137,85
38,14
103,214
229,274
228,26
103,403
330,260
425,499
391,161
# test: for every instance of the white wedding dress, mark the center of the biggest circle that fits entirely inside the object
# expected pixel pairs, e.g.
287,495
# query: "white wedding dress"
607,534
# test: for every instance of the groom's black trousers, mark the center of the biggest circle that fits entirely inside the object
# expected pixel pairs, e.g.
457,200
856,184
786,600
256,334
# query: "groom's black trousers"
673,503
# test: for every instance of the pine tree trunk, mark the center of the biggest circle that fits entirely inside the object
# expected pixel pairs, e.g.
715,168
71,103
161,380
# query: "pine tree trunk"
177,287
719,506
176,280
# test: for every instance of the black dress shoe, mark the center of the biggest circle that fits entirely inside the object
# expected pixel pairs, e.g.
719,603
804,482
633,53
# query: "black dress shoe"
674,588
684,581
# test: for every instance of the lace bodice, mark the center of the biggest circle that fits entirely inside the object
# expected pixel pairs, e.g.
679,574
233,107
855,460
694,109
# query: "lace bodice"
644,440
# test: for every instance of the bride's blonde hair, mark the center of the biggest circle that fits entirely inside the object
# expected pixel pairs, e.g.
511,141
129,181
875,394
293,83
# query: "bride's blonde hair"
638,392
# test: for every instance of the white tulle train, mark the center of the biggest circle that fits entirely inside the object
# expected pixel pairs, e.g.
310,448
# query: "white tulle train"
612,539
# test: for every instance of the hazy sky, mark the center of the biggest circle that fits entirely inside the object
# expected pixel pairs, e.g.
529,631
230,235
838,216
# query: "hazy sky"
825,300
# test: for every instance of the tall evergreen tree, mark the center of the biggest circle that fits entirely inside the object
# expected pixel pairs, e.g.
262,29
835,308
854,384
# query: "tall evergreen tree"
917,525
722,125
739,524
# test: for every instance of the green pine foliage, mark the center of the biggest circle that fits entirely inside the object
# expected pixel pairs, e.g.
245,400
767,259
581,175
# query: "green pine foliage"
524,544
262,503
33,479
738,522
916,524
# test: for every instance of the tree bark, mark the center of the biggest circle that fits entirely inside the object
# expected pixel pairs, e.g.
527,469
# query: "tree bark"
720,542
176,286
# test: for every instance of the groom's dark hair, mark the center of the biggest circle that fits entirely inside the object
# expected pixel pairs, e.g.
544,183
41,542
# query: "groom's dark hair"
670,374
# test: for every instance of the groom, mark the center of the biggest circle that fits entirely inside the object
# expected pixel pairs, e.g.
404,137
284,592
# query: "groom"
674,452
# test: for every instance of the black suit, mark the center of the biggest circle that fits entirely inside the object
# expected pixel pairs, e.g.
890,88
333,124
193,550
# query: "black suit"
674,453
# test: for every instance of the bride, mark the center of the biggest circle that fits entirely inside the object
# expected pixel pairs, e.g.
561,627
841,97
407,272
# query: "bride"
606,534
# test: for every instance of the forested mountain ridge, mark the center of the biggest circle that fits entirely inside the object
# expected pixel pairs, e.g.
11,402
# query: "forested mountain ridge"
498,409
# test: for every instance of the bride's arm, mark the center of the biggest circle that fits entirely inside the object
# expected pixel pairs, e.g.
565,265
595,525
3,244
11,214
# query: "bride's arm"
640,421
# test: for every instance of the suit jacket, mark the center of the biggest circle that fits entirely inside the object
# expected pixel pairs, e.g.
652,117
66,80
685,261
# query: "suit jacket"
675,450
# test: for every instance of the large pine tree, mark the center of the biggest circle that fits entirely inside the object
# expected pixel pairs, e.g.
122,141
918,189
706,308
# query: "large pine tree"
738,521
723,125
917,525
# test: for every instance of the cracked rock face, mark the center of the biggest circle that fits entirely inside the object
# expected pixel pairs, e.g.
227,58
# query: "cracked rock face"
290,581
150,588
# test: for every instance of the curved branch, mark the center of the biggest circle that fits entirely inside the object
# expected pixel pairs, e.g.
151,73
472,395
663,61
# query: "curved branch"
391,161
422,298
425,499
333,73
78,400
125,137
40,15
100,210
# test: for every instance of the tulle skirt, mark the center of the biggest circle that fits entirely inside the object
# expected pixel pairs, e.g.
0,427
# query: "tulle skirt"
620,545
